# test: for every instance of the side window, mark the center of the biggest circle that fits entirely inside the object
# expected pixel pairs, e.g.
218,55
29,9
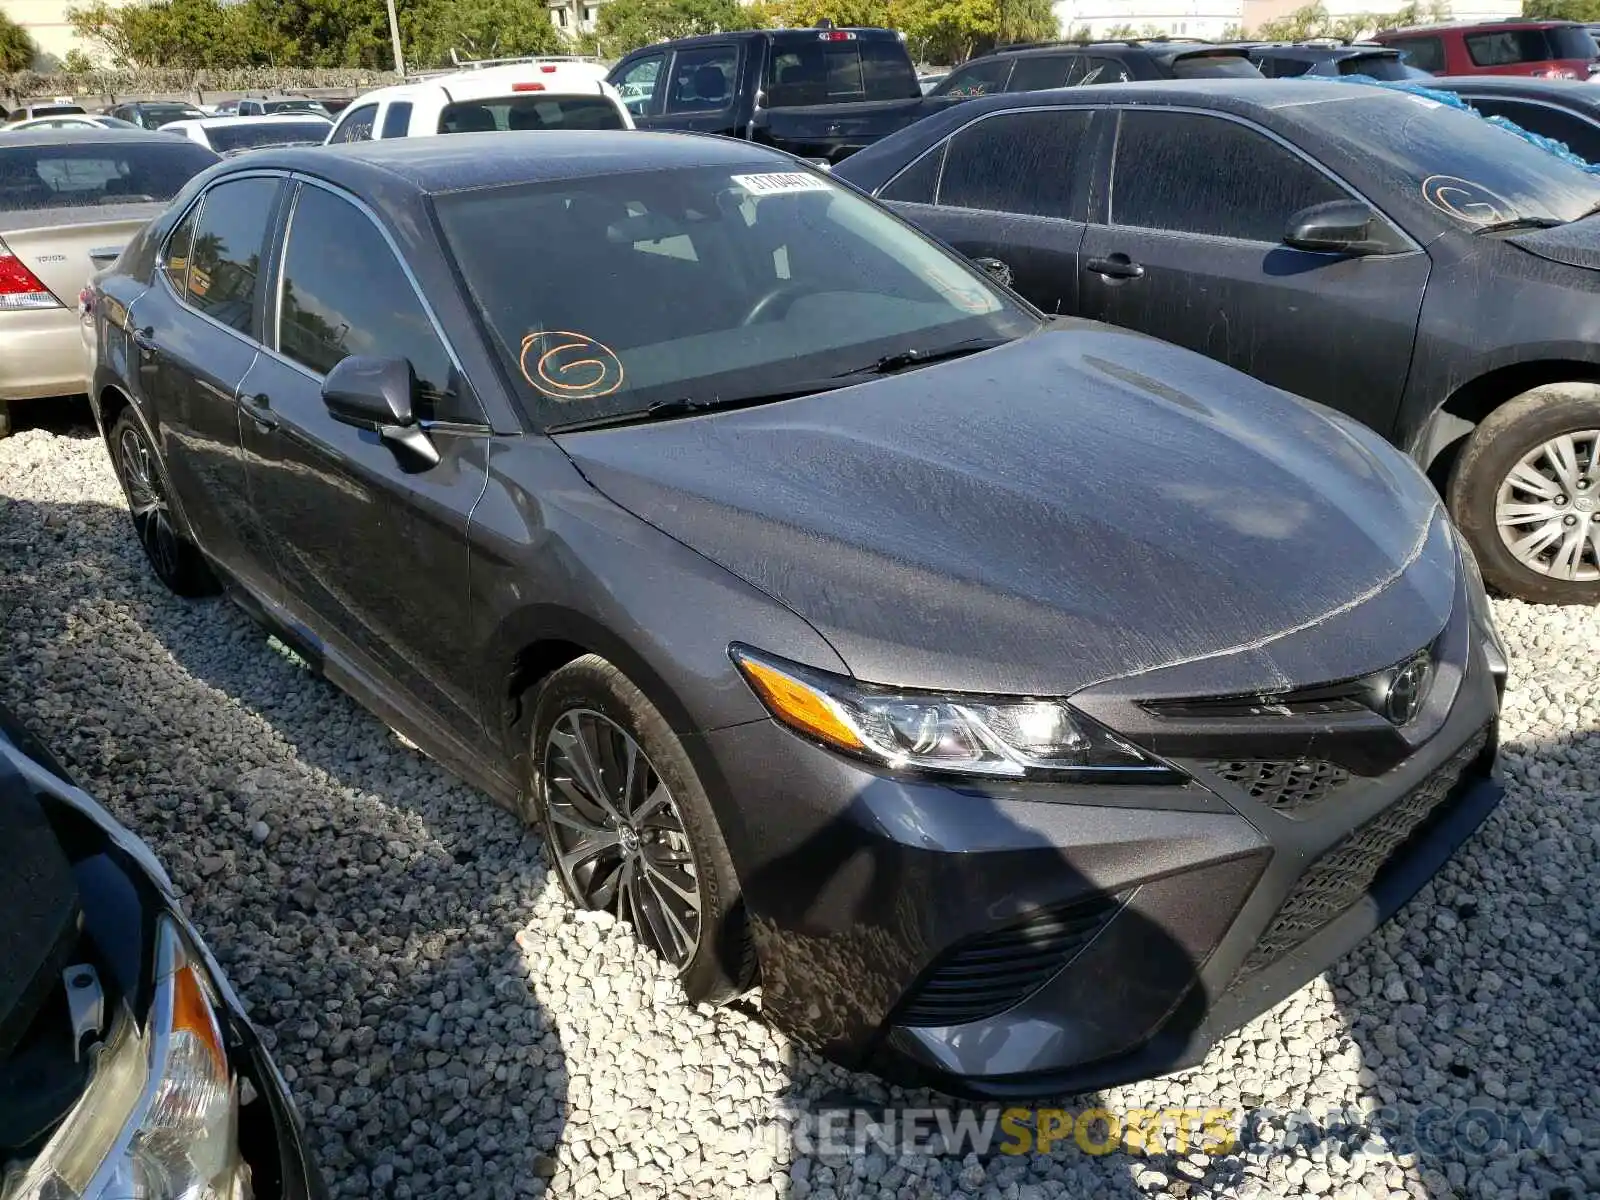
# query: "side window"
345,293
1193,173
1283,68
1580,136
1424,53
1042,72
397,121
1023,162
225,258
1105,70
702,79
637,83
356,126
980,79
918,182
175,258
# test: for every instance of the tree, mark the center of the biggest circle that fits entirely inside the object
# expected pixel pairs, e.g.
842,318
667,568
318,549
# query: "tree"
76,62
478,29
625,25
1587,11
17,49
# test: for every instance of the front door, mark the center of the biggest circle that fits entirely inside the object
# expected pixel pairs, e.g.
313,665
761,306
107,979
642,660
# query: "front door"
1012,187
699,92
1190,249
195,337
371,546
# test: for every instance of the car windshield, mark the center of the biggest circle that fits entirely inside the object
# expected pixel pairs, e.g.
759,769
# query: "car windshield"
91,173
253,135
295,106
1460,164
155,117
530,112
1214,66
612,293
56,110
1376,66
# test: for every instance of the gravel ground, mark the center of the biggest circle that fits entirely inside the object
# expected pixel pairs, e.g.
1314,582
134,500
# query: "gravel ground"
451,1027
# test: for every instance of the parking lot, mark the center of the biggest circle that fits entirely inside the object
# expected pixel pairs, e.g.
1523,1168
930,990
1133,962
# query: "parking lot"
450,1026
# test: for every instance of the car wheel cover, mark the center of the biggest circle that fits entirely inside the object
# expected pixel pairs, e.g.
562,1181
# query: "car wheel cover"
1548,508
147,501
617,833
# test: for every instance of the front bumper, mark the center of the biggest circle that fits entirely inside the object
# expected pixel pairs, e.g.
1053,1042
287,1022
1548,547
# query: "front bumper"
1038,940
41,354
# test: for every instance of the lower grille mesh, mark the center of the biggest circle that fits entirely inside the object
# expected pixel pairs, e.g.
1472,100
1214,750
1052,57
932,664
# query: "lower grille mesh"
1337,880
987,975
1291,789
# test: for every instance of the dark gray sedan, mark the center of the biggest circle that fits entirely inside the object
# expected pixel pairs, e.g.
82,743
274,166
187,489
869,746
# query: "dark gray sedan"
1024,702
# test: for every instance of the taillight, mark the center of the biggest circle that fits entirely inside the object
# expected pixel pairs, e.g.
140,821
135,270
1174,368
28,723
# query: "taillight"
1555,73
527,87
548,70
19,287
836,35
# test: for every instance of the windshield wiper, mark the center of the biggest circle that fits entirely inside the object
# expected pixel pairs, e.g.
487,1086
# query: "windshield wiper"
905,359
684,406
1516,223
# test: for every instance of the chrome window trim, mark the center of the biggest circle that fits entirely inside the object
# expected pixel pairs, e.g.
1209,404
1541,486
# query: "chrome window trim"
1270,135
198,207
305,181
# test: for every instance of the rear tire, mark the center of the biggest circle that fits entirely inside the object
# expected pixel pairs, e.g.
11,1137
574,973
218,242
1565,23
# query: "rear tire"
176,560
631,831
1526,493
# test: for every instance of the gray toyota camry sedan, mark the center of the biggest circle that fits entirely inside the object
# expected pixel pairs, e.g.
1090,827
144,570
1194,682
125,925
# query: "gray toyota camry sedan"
1021,702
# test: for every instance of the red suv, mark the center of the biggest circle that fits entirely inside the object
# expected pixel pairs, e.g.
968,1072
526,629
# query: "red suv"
1547,49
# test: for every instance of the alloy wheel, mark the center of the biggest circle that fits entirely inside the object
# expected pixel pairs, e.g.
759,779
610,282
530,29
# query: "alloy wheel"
147,500
619,838
1548,507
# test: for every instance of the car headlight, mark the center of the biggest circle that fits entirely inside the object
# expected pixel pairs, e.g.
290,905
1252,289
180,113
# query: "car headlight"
1005,737
159,1117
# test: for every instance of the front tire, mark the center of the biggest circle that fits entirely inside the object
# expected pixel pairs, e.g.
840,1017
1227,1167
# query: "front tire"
1526,493
176,560
628,827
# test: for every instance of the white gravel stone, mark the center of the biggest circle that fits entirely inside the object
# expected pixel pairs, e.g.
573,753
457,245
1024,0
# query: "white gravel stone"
451,1028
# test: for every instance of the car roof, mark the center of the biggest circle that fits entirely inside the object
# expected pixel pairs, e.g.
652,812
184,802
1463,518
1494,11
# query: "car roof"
559,79
251,122
1569,93
460,161
86,137
1332,53
1159,48
1508,23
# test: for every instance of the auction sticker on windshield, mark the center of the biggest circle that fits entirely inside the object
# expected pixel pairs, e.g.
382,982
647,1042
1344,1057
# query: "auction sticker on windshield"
770,185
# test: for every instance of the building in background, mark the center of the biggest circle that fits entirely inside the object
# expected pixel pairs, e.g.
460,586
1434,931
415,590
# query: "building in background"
573,17
46,23
1256,12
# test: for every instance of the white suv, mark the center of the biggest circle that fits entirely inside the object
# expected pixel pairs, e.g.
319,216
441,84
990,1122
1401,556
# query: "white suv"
535,94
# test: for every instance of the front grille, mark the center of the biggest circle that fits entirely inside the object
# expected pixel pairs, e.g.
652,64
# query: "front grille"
1292,789
986,975
1338,880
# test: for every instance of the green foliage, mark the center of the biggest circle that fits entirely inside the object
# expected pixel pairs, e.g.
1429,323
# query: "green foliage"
945,31
1587,11
477,29
17,49
76,62
625,25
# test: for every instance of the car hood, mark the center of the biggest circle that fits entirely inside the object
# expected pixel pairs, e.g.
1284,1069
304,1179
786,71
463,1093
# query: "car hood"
1576,244
1082,504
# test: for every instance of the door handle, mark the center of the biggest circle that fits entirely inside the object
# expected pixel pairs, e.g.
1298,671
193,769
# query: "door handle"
1115,266
259,409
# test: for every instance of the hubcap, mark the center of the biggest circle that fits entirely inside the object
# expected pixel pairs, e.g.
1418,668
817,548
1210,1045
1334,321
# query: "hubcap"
147,501
619,839
1545,510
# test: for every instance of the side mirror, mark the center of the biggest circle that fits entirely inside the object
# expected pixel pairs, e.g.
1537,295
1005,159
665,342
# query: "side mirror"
1338,227
996,269
376,393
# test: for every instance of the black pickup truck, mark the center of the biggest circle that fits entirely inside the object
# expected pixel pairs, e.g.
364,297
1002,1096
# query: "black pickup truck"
819,93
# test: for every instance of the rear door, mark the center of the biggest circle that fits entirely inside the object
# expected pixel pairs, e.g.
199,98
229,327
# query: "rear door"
1188,247
1012,186
371,550
197,332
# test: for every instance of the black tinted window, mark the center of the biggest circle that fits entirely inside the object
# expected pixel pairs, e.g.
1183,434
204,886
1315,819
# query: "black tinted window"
344,293
1214,66
1020,162
235,139
225,260
1374,66
179,244
1580,136
813,69
1283,68
1200,174
918,182
702,80
356,126
979,79
531,111
1424,53
397,120
71,174
637,83
1105,70
1042,72
1505,47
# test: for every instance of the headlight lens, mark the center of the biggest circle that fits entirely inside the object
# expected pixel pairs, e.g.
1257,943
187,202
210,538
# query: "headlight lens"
159,1119
992,736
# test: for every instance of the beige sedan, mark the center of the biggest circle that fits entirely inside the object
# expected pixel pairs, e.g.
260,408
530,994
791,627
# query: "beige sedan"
70,200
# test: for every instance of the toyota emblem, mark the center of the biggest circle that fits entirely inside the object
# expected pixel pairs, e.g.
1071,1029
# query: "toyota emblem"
1409,689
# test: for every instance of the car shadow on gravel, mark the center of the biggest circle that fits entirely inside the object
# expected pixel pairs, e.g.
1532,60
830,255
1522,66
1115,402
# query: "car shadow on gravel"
364,901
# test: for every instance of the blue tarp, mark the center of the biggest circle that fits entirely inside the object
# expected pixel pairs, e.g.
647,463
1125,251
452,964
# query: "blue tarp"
1559,149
